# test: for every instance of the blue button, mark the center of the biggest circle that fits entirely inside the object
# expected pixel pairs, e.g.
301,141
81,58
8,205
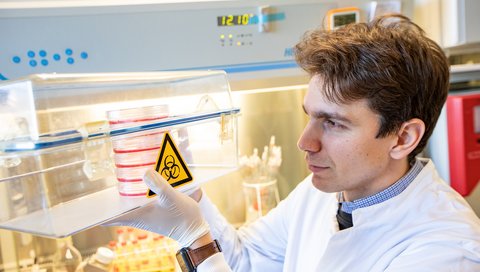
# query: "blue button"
68,51
33,63
70,60
44,62
84,55
42,53
31,54
16,59
56,57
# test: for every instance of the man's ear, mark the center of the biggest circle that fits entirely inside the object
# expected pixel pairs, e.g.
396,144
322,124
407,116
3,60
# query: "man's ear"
408,137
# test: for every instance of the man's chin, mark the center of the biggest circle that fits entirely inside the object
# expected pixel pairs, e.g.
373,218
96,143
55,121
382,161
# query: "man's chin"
323,185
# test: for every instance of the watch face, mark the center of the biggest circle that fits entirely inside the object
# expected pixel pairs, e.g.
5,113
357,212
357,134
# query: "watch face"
184,261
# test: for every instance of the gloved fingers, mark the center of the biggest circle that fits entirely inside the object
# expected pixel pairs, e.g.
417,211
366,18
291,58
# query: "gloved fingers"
159,185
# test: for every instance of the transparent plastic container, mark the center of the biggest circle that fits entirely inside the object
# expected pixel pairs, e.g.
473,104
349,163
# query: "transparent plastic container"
261,195
58,172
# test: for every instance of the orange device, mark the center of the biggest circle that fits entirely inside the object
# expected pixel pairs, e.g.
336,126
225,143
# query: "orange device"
342,16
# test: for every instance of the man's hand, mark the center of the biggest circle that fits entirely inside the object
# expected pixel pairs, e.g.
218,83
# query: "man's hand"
173,214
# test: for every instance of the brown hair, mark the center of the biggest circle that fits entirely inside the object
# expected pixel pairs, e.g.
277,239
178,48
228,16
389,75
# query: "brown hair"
389,62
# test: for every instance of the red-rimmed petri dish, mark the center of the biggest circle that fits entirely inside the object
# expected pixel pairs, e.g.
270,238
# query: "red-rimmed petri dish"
134,153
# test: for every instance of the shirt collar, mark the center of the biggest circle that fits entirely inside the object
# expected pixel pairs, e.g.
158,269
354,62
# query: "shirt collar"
392,191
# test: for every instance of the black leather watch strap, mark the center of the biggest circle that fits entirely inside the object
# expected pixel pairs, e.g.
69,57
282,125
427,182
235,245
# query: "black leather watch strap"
198,255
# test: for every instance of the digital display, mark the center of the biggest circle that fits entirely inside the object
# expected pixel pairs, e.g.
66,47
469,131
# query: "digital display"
234,20
344,19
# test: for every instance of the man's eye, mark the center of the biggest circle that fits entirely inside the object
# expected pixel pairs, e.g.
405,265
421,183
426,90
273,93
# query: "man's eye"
331,123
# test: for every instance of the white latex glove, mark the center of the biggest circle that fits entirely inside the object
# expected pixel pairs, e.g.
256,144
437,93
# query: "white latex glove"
173,214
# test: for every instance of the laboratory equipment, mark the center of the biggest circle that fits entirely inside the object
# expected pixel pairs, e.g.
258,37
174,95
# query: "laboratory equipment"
454,145
152,35
463,117
261,196
56,162
259,174
339,17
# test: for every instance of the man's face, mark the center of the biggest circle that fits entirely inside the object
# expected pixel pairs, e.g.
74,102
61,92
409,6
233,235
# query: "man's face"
341,149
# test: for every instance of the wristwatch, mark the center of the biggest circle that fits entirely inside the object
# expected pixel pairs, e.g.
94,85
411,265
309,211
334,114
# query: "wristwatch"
189,259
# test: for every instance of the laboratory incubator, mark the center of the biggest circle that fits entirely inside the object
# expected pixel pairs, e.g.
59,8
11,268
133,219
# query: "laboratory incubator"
77,145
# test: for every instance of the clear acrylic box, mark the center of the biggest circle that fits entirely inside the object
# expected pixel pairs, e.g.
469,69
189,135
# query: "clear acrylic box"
62,143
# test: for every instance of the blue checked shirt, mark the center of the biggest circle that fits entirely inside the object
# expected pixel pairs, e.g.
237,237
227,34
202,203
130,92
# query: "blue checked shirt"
393,190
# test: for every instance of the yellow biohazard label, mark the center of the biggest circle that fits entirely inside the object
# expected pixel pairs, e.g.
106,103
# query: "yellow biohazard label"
171,165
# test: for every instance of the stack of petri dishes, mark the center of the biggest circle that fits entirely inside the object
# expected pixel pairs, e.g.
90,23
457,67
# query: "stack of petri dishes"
134,153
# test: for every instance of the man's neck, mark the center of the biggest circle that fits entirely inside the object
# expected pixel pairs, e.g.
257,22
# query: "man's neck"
395,189
396,170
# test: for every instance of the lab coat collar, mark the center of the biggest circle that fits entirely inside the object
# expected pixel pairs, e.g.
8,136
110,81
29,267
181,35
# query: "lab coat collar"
421,184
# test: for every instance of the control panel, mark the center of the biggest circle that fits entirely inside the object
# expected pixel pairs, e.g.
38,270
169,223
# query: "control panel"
234,36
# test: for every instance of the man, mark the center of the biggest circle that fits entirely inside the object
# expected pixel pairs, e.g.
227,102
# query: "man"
375,94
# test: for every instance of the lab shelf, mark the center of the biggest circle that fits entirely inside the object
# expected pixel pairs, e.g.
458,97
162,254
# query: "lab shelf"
74,216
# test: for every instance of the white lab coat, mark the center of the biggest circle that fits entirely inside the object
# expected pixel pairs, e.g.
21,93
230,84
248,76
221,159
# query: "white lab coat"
428,227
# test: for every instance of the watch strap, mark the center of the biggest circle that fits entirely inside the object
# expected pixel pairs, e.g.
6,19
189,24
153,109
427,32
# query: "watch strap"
198,255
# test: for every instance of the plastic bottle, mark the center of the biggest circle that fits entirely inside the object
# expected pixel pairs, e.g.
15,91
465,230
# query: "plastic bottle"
101,261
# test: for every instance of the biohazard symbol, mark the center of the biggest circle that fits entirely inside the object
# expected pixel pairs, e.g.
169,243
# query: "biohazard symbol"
171,165
170,169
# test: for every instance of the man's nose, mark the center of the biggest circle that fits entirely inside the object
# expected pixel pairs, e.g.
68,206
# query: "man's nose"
310,141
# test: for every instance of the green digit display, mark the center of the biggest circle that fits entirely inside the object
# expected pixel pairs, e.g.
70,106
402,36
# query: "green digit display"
233,20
